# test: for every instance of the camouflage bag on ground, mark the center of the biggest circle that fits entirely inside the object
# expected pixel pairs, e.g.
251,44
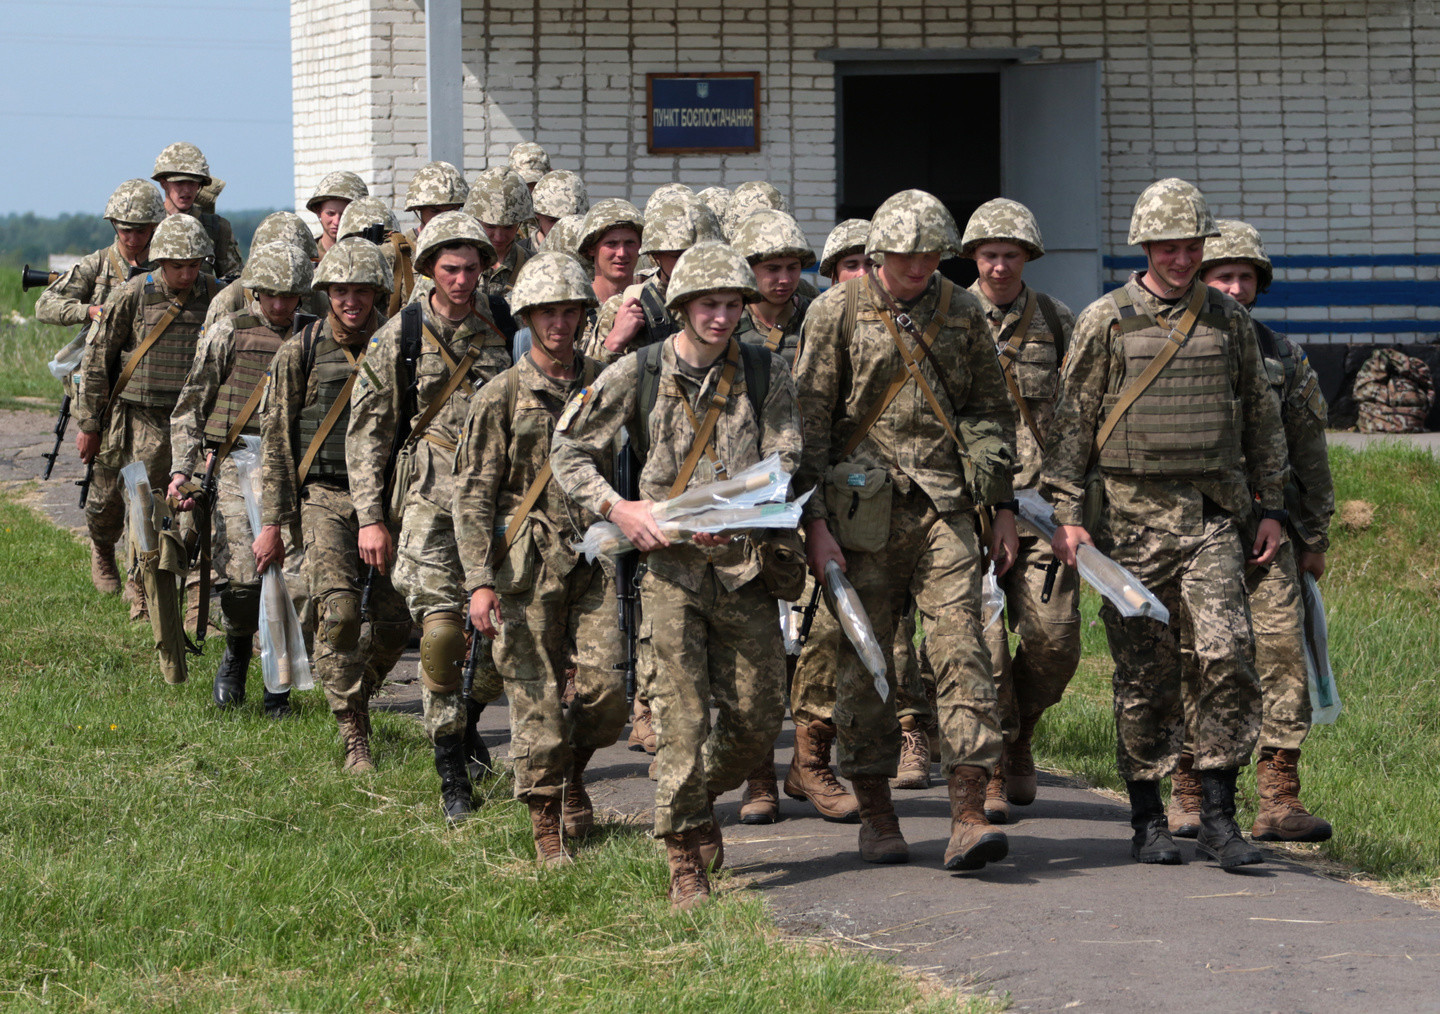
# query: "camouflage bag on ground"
1393,393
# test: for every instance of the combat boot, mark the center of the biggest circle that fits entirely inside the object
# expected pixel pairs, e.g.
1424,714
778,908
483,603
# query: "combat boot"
1152,842
1020,765
1183,813
973,842
104,573
997,804
689,886
642,729
1219,837
914,770
277,706
761,802
710,841
577,812
135,595
545,823
355,736
454,779
477,755
880,837
229,688
1282,817
810,776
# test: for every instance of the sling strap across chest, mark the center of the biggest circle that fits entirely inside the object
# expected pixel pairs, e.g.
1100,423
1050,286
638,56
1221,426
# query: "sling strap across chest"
342,401
704,430
246,411
172,311
1014,341
458,372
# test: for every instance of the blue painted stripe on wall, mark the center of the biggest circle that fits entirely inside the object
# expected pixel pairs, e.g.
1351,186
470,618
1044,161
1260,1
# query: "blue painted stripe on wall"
1133,263
1295,327
1390,292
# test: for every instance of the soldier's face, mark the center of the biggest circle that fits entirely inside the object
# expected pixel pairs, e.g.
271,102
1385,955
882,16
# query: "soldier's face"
776,279
352,304
713,317
502,237
665,262
134,239
554,326
1173,262
616,253
456,273
850,267
1001,266
1238,280
906,275
180,193
546,223
329,214
435,209
278,310
180,274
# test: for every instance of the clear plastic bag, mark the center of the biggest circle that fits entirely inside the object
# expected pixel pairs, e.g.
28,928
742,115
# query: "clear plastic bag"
992,600
139,499
67,360
790,626
856,624
1324,694
763,482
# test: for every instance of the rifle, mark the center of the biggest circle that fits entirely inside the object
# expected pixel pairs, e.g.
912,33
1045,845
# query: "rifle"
31,278
472,657
627,573
808,618
301,321
62,421
365,595
375,233
84,483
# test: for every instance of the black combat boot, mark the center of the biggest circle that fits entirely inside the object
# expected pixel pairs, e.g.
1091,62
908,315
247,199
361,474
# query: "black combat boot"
477,755
1152,842
229,691
1219,836
277,705
454,779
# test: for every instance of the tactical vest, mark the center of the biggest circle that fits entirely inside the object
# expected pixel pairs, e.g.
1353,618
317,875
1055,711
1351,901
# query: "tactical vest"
255,345
788,347
1187,422
328,370
1279,363
160,375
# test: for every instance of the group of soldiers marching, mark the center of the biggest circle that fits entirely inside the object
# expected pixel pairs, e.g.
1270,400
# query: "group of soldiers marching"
443,412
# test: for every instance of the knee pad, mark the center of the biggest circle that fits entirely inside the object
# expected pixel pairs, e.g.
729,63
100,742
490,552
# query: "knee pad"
240,605
442,652
340,621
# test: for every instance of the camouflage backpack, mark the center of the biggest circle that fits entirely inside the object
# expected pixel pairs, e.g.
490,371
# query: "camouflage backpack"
1393,393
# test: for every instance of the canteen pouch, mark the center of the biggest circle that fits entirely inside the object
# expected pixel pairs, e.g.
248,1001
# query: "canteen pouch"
401,479
782,564
1092,504
858,499
516,573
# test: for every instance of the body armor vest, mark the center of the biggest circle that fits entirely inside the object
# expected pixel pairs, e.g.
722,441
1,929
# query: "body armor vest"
160,375
329,368
255,345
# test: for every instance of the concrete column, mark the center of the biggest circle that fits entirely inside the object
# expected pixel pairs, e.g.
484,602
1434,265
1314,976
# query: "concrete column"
444,78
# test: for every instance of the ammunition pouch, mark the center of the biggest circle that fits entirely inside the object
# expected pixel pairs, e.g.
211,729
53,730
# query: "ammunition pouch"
516,573
442,652
859,498
401,479
782,564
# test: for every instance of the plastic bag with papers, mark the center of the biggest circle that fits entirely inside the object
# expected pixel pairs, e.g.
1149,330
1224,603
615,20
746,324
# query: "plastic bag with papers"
1324,694
992,600
856,624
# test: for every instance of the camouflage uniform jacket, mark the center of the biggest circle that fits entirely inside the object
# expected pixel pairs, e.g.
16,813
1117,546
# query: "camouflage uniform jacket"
1095,367
595,417
68,299
380,397
1037,372
788,348
499,278
841,376
499,457
1309,489
235,297
659,322
227,252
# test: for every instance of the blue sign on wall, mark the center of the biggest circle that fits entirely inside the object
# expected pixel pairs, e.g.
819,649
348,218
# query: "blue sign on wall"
697,113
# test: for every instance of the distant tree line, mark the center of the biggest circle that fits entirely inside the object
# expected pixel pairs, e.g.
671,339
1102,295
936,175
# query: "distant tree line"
28,238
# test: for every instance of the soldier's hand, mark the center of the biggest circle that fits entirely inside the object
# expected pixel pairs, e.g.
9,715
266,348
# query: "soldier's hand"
628,322
95,312
268,547
1004,541
1312,563
1267,542
485,611
88,444
376,546
712,539
176,495
1069,538
638,524
821,548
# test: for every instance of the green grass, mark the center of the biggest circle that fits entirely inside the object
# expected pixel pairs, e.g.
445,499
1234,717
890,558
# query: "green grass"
155,856
26,348
1372,774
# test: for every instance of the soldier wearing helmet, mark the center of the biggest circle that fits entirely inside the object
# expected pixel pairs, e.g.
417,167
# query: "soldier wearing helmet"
1164,438
332,196
777,251
305,488
717,199
277,227
501,204
556,195
844,256
546,607
903,521
530,162
182,172
410,403
371,217
712,592
436,187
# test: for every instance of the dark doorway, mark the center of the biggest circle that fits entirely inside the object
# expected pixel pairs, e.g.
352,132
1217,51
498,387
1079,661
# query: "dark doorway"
934,132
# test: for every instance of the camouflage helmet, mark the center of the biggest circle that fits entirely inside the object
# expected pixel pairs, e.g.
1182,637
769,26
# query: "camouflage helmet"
209,194
564,237
749,198
1238,241
717,199
435,184
550,277
529,161
286,227
1003,221
769,234
452,227
181,238
678,224
1170,209
135,202
341,185
912,222
665,192
711,266
181,159
364,212
354,260
611,213
560,193
845,239
278,269
501,199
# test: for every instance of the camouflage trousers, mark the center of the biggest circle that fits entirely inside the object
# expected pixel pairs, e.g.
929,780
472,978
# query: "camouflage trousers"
134,433
1200,579
562,619
933,559
233,558
812,693
353,655
1278,620
914,676
710,645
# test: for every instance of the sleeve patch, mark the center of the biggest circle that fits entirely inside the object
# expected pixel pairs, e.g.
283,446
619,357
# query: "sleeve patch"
572,408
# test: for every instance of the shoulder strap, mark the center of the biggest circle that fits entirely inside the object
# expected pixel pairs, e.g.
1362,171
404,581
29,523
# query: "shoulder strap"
342,400
912,364
757,377
1051,314
452,383
246,411
1009,353
116,264
647,361
404,272
520,258
171,312
705,429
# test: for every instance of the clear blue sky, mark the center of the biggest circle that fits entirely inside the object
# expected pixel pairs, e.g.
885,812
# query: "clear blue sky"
91,90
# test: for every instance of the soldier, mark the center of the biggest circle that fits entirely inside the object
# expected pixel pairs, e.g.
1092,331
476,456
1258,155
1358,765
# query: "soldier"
550,608
408,406
501,204
181,171
436,187
777,252
123,412
1236,264
1171,448
748,198
530,162
218,405
711,618
717,199
305,488
332,196
901,475
1031,332
556,195
276,227
844,255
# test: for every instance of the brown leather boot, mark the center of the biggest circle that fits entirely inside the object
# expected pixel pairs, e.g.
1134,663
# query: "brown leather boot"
355,736
577,812
811,777
880,837
997,805
710,841
914,771
135,595
1183,813
642,728
104,573
545,823
973,842
1282,817
1020,765
689,886
761,802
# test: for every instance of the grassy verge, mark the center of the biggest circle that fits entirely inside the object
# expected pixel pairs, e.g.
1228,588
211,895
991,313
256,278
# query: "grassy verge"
25,348
156,856
1372,773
